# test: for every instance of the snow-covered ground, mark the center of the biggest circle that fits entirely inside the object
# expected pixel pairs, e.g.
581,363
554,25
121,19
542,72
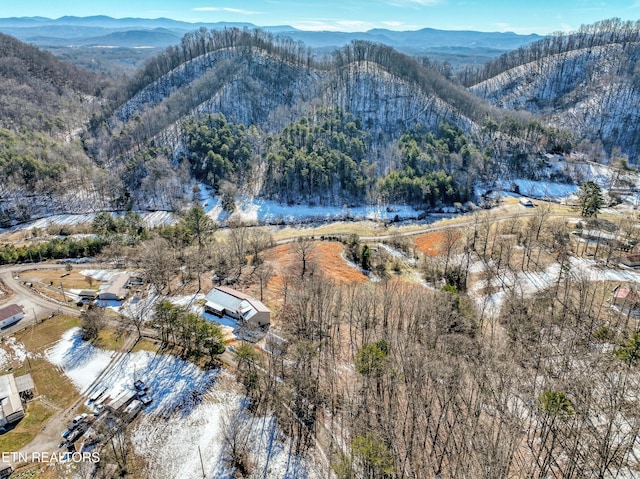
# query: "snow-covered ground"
528,283
265,211
101,274
190,410
196,441
80,361
150,218
542,189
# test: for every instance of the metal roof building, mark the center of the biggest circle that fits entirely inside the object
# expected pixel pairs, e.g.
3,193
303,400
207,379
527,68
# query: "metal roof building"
117,290
223,301
11,408
10,314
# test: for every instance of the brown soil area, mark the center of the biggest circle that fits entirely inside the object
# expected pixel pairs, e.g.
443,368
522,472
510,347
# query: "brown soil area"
430,243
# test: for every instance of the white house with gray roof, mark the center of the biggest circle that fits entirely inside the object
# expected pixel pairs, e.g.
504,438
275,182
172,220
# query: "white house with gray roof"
223,301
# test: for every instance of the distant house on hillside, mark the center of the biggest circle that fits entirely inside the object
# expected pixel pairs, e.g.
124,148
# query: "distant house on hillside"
626,298
10,314
631,260
223,301
117,290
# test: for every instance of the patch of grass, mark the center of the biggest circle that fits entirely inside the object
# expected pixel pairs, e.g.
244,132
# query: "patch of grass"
46,333
36,414
110,339
146,345
49,381
69,279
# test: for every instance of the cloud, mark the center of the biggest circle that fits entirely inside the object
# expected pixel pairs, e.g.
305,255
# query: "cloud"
226,9
355,25
315,26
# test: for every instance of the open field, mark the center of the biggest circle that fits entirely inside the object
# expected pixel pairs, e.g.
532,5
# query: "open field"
324,256
430,243
146,345
36,415
51,384
68,279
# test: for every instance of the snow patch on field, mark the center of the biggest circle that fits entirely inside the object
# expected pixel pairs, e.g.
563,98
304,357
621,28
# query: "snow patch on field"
17,350
528,283
80,361
4,359
196,441
100,274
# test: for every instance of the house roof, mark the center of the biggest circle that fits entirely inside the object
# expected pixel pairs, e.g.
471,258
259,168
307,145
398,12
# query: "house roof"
25,383
117,286
9,310
226,298
10,401
623,293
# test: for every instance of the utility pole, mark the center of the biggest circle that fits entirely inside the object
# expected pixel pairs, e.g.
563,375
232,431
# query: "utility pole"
201,463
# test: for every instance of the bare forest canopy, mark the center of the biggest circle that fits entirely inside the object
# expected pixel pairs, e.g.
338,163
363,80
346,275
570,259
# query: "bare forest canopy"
135,143
296,128
587,82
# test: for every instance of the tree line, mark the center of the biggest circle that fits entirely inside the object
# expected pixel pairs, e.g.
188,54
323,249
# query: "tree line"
604,32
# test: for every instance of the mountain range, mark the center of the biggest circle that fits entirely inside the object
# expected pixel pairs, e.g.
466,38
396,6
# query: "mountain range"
162,32
252,112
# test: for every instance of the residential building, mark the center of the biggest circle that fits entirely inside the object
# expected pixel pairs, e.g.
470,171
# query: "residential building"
117,290
626,297
10,314
224,301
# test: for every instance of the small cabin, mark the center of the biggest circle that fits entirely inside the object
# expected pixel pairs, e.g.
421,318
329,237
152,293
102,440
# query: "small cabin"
526,202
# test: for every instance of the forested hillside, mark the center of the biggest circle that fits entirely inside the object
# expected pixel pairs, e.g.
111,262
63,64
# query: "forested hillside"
293,128
250,113
44,105
587,82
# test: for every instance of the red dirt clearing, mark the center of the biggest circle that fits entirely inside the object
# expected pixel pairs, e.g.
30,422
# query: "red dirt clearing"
430,243
327,257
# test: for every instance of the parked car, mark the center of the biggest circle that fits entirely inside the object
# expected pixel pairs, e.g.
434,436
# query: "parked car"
79,418
146,400
66,433
139,385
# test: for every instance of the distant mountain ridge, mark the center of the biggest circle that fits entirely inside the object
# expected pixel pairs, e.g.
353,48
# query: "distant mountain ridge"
42,31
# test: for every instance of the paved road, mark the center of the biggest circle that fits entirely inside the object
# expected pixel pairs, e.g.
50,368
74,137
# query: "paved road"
34,305
494,215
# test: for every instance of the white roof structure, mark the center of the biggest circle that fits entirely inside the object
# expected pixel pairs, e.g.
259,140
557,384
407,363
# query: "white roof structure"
223,300
11,408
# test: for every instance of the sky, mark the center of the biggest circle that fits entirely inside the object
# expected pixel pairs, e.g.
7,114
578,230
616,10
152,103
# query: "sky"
519,16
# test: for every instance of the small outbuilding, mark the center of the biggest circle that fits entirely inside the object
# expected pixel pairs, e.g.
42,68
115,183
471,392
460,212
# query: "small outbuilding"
88,294
12,391
10,314
626,297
